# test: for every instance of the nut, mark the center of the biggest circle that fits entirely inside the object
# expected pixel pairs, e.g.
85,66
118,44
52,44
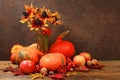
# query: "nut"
94,61
89,63
43,71
51,72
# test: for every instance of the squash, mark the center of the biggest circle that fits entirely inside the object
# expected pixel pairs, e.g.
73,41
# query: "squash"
52,61
26,53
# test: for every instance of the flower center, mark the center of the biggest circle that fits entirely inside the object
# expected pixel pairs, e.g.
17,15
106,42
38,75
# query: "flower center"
25,14
38,22
44,14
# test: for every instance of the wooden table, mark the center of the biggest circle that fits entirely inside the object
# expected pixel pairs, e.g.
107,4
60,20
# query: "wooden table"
111,71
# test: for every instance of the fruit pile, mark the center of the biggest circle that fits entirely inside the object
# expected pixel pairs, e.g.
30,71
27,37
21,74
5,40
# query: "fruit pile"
57,63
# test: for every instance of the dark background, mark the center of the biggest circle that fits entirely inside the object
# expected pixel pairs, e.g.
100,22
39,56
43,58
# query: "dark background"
94,25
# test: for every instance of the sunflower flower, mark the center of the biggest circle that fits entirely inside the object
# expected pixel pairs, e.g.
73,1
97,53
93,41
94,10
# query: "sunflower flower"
39,18
28,13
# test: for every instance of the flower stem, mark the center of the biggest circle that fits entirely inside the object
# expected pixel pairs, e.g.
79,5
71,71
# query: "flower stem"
42,41
46,43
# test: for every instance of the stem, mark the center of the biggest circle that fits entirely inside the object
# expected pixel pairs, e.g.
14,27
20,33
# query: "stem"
42,41
46,43
62,35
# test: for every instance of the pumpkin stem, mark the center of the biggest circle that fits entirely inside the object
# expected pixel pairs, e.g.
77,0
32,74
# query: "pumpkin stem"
62,35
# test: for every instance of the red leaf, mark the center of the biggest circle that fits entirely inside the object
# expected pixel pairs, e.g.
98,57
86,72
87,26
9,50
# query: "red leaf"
10,68
62,69
82,69
57,76
98,66
37,69
15,71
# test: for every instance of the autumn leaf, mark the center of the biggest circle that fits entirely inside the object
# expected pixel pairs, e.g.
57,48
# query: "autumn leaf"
15,71
57,76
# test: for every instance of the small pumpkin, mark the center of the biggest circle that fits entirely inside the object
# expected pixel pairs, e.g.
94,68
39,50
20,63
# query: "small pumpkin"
14,58
63,46
52,61
26,53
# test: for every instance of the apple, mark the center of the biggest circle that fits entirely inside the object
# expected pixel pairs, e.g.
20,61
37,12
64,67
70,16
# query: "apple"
79,60
86,55
27,66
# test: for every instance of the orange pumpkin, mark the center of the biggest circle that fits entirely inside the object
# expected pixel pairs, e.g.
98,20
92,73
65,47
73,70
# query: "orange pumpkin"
14,58
52,61
26,53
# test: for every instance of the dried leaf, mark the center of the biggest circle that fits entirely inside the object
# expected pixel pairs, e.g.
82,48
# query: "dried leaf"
98,66
57,76
62,69
70,73
10,68
82,69
36,75
15,71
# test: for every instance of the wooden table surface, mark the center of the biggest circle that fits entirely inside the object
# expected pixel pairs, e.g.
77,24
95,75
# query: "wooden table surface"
111,71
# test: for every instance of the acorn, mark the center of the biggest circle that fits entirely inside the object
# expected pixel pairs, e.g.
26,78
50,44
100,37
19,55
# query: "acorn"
94,61
43,71
89,63
51,72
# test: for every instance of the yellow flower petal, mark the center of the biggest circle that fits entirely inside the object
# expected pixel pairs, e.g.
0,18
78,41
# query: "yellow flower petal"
26,7
22,21
46,25
57,23
31,28
31,5
29,24
37,29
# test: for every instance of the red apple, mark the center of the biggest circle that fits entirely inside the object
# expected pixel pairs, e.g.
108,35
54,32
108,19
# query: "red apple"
86,55
79,60
27,66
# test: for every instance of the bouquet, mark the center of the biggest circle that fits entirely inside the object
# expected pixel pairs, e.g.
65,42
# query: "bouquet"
40,20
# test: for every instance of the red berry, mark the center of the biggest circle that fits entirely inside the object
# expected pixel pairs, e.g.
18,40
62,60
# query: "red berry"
37,68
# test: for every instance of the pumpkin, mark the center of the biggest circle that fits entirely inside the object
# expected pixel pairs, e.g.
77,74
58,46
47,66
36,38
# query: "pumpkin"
52,61
26,53
63,46
14,58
